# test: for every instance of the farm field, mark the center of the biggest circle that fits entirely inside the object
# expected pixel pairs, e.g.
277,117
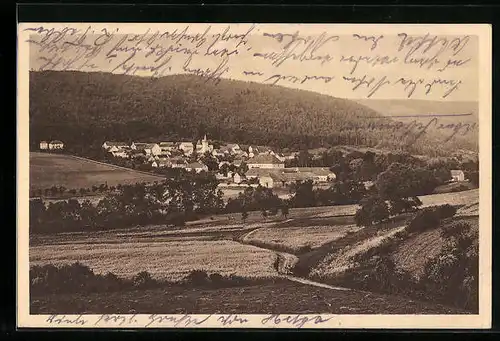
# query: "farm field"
223,244
296,238
413,254
456,198
342,258
259,299
47,170
166,260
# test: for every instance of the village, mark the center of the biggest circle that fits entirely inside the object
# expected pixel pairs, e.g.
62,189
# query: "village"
234,165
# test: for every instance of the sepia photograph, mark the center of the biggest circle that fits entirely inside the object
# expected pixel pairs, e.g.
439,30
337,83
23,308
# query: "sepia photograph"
254,175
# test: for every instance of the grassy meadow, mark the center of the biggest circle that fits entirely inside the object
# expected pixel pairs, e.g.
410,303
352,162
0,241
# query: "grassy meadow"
47,170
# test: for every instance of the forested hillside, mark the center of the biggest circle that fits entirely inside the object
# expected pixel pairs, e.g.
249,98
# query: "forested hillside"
84,109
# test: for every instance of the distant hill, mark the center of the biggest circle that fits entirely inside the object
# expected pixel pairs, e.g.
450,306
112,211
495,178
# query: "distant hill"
87,108
413,108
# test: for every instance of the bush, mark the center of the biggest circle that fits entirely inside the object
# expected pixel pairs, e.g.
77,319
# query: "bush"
143,280
305,249
197,277
216,279
71,278
425,219
446,211
453,275
454,230
373,210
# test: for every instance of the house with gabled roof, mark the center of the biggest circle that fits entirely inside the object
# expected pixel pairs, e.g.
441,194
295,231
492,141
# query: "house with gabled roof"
196,166
108,145
457,175
149,148
265,161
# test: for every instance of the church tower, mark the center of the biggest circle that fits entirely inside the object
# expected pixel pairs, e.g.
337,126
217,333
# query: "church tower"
204,144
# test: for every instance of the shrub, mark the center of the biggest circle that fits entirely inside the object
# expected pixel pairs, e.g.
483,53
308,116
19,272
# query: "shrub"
373,210
305,249
197,277
453,275
143,280
75,277
454,230
216,279
446,211
424,220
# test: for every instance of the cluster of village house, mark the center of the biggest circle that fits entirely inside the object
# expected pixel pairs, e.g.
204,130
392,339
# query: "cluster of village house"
264,165
52,145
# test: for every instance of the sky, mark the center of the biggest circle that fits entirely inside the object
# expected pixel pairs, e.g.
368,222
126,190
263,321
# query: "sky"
394,65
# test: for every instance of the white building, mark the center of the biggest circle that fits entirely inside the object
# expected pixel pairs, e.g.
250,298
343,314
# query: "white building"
457,175
148,148
56,145
108,145
186,147
44,145
265,161
197,167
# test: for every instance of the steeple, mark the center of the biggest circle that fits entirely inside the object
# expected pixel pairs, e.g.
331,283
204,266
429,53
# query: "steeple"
205,137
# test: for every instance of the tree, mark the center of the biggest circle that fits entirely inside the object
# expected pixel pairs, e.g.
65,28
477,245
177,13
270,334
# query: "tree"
474,178
303,194
210,161
242,169
224,169
284,211
373,210
244,216
304,158
401,184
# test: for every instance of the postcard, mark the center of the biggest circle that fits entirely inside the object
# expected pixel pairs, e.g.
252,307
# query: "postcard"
209,175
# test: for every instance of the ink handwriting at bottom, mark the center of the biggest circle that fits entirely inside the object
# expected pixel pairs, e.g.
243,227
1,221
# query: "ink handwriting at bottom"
69,321
231,319
177,321
114,320
296,321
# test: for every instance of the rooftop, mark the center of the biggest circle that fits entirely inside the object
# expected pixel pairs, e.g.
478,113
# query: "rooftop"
264,159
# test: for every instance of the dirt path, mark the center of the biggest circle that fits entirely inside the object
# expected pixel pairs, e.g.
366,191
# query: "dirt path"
285,262
315,284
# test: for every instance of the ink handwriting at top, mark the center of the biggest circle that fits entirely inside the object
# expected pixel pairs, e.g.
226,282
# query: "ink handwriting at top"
369,60
225,37
426,50
371,83
410,85
373,39
298,48
275,79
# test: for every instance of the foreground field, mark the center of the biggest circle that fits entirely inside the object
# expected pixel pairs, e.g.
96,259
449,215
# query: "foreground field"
413,254
170,260
285,297
297,238
47,170
221,244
